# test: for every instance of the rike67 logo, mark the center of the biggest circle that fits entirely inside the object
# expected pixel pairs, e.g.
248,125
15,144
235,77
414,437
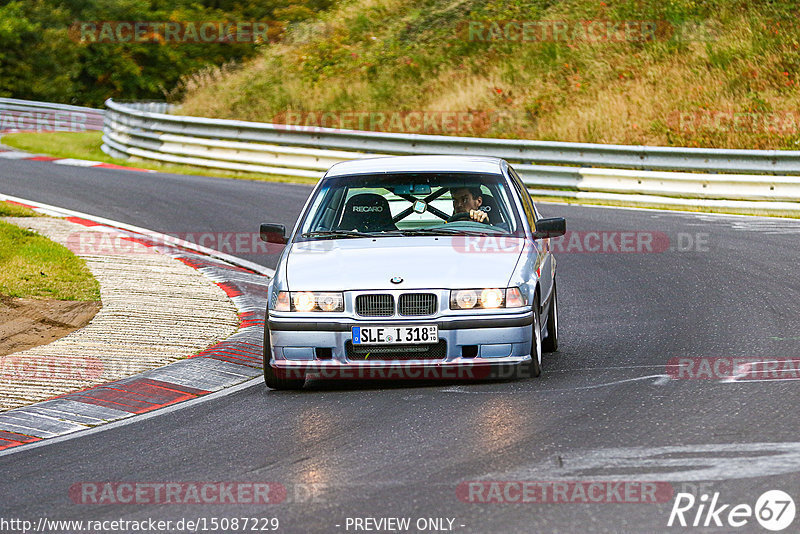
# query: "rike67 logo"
774,510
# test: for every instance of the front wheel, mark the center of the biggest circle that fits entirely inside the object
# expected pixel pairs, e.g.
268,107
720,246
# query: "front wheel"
536,343
271,378
550,343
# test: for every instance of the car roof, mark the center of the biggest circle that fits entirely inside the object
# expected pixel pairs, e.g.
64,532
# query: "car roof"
394,164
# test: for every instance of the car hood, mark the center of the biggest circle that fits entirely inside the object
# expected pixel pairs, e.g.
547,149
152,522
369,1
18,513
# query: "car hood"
422,262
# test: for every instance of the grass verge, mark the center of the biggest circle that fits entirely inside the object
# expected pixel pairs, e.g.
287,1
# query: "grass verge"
9,209
86,145
33,266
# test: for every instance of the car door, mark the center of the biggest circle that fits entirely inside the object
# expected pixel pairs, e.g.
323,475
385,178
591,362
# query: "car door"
540,255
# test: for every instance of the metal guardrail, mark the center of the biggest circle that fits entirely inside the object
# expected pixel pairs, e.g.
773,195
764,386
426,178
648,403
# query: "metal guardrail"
147,130
27,115
145,117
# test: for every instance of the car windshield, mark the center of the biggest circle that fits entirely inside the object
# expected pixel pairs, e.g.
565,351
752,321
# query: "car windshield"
383,205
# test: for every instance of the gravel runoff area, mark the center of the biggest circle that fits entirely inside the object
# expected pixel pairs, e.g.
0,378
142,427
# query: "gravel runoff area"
155,310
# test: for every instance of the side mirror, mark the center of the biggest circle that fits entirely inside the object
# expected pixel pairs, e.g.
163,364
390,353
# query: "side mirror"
550,228
273,233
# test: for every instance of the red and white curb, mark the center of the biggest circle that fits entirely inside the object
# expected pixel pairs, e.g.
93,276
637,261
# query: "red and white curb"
8,153
227,364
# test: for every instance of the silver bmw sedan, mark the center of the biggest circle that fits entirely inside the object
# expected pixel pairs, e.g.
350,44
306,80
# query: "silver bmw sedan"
413,267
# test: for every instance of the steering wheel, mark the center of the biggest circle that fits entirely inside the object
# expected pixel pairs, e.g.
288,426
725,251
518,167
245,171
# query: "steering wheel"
460,216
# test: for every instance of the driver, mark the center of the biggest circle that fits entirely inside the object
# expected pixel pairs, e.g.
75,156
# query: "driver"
468,200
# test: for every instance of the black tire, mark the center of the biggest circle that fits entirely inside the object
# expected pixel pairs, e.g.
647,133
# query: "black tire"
536,342
550,343
271,379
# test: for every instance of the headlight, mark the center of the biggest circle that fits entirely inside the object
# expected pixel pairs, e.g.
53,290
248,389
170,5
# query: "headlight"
309,301
492,298
463,299
304,301
487,298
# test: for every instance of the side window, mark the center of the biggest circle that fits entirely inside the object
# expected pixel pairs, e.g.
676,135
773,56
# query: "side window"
323,219
527,203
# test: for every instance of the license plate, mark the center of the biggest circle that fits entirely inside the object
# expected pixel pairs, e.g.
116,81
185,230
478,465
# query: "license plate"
388,335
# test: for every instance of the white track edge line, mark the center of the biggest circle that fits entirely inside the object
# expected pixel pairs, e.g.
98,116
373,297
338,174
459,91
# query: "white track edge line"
260,269
135,418
662,210
167,409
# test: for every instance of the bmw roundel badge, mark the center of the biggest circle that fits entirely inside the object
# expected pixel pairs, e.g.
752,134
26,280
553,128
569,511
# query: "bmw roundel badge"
396,280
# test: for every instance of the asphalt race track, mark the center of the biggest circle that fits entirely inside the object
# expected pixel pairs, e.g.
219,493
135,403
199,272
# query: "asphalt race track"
611,405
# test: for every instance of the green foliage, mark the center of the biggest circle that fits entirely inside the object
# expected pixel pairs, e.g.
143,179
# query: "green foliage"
43,58
725,56
731,55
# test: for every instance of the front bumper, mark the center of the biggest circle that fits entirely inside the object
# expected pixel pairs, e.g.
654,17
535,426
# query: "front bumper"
503,342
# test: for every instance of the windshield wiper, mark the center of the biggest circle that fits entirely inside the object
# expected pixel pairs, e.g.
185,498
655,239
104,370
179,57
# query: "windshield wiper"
337,233
437,231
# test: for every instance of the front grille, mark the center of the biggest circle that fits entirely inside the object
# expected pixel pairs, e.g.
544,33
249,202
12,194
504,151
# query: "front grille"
417,304
436,351
375,305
